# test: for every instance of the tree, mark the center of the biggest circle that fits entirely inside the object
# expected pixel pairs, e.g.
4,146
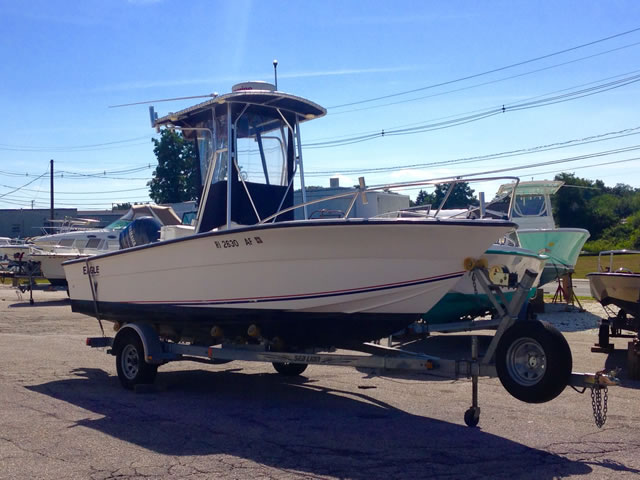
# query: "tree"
423,198
461,196
177,176
121,206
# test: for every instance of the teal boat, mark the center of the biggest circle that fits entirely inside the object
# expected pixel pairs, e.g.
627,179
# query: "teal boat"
459,308
537,229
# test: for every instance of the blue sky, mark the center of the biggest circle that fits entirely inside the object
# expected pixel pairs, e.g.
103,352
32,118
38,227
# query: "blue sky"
64,62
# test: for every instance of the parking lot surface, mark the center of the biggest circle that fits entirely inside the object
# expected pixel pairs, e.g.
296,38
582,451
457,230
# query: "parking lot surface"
63,414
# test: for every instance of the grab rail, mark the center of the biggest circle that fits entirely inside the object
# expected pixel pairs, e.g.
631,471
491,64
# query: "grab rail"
361,191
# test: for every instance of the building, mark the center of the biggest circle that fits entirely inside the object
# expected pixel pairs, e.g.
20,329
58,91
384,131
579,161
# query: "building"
378,202
24,223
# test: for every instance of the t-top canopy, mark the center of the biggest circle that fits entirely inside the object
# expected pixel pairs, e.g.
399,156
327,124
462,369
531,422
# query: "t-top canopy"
540,187
304,109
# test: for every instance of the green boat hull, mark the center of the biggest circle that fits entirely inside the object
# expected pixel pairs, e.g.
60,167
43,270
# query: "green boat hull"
455,306
561,245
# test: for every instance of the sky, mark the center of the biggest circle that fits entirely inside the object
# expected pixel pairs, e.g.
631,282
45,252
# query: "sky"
437,74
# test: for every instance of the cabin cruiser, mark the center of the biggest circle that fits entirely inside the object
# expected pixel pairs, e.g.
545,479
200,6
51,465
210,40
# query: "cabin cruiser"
619,287
247,269
537,230
52,250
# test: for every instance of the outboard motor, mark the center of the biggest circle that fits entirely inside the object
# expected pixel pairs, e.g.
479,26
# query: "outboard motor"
140,232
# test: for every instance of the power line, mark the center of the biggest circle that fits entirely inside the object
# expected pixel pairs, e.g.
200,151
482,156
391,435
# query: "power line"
523,105
26,184
491,156
83,193
96,146
468,77
490,82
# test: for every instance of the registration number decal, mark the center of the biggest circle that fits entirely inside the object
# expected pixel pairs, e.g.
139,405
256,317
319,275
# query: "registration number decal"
235,243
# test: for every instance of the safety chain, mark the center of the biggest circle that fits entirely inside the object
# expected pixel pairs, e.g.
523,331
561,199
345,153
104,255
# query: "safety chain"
473,281
599,407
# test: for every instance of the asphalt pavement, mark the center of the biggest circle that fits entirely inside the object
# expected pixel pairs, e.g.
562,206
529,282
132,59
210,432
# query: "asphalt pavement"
63,414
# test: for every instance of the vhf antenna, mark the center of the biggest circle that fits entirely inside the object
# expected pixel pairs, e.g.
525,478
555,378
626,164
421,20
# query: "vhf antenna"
275,72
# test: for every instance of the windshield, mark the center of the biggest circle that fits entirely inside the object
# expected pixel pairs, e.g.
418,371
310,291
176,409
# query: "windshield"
119,224
530,206
261,154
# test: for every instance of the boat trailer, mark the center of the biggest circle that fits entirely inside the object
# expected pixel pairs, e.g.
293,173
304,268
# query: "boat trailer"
531,358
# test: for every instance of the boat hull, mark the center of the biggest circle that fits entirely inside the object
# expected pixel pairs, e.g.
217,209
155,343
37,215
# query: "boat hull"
51,265
561,245
310,282
619,289
467,300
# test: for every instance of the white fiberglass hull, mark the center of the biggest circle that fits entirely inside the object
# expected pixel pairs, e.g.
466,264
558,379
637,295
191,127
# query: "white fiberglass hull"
467,300
514,259
51,264
10,252
388,270
617,288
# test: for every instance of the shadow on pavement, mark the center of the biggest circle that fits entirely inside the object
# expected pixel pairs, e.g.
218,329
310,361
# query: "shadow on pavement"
295,425
43,303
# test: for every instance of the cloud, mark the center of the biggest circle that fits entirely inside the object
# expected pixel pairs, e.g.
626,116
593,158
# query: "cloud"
410,18
143,2
347,71
179,82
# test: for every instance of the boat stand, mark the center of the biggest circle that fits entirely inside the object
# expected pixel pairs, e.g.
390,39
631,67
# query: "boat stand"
137,366
564,292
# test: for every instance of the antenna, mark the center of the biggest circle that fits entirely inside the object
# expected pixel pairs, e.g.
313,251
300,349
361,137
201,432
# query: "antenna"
275,71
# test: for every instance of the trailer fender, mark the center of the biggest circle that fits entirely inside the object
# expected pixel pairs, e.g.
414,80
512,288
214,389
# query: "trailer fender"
153,353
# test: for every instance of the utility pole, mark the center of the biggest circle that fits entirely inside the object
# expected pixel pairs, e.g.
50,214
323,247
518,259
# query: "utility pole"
52,189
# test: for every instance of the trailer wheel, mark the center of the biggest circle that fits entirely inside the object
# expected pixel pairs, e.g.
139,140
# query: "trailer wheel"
472,417
289,369
533,361
130,364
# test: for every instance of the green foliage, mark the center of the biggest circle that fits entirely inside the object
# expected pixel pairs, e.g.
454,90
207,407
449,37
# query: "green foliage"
461,197
121,206
423,198
177,177
612,215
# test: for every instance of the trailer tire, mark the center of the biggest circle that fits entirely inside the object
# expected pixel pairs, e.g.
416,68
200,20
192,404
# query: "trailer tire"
290,369
130,362
533,361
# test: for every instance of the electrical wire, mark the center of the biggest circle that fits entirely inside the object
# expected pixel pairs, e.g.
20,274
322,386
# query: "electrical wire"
25,185
523,105
492,156
490,82
476,75
96,146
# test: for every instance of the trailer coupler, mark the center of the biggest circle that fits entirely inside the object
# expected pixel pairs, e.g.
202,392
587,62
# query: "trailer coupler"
598,383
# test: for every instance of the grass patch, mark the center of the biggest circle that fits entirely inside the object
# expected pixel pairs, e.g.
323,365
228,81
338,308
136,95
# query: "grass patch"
37,281
589,263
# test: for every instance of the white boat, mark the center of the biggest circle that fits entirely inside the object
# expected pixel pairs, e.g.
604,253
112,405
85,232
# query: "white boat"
619,287
466,301
52,250
247,269
11,250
